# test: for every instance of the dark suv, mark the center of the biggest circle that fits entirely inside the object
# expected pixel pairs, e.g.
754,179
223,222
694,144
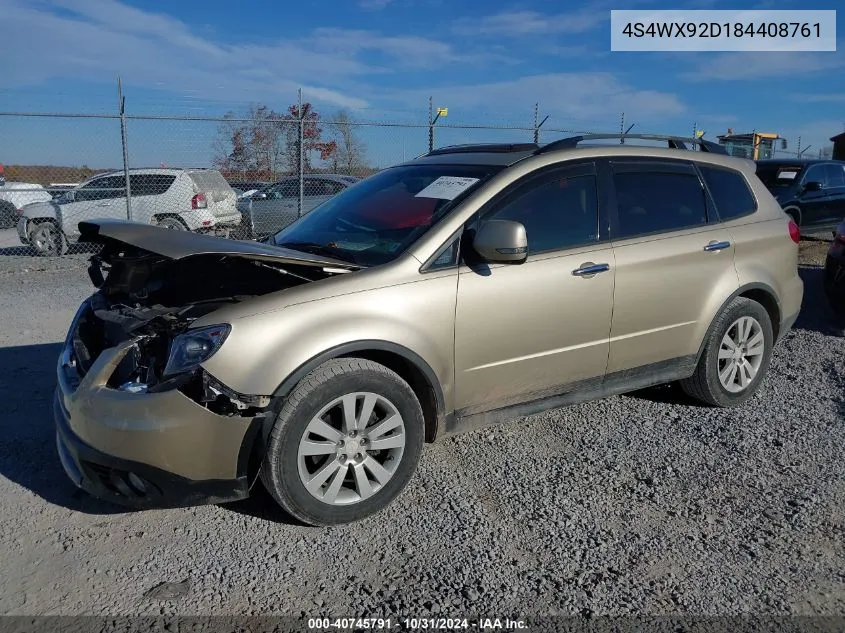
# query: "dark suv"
811,191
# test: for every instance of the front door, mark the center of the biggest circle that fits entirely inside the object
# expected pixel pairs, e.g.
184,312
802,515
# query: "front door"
815,205
99,198
537,329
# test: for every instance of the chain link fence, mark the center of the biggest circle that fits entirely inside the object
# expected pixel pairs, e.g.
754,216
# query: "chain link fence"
242,175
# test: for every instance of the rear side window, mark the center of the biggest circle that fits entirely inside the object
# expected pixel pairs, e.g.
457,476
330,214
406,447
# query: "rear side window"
656,202
150,184
730,192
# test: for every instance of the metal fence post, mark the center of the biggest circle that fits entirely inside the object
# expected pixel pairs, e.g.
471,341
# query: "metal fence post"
121,100
301,159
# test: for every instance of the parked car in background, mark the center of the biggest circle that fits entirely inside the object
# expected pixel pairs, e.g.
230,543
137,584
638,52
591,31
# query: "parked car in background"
834,271
275,206
811,191
58,189
523,278
14,196
180,199
247,188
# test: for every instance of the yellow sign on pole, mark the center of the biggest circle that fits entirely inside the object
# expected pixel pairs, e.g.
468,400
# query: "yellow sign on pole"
699,133
443,111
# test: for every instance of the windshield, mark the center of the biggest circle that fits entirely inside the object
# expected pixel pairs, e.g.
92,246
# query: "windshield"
375,220
778,176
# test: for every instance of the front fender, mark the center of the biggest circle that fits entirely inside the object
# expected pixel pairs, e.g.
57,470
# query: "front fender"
264,351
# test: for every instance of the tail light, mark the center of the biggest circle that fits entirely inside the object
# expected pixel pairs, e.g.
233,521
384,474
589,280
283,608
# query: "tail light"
199,201
794,232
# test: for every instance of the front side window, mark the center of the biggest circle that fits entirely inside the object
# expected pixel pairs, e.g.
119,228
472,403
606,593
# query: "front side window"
104,188
817,173
376,220
655,202
835,175
558,210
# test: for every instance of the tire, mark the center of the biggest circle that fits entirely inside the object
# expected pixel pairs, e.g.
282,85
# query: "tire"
8,215
46,238
285,468
169,222
705,384
241,232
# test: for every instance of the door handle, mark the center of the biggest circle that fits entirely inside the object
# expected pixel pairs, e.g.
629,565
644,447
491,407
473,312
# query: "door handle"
717,246
104,204
590,268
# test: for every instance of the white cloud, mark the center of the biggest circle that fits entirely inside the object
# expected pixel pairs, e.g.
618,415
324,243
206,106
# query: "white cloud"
757,65
519,23
580,96
820,98
96,40
373,5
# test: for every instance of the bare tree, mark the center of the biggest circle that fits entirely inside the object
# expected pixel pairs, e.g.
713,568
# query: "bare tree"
350,154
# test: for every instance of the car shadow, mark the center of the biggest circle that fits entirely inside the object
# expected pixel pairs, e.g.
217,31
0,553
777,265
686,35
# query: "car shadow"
28,455
261,505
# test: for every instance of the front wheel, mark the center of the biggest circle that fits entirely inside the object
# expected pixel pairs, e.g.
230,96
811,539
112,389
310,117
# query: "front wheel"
47,239
345,443
736,356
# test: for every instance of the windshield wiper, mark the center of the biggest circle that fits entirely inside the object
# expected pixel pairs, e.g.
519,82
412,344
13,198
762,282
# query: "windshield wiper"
319,249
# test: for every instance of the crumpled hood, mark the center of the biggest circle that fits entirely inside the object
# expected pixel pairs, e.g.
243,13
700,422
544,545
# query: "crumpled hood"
181,244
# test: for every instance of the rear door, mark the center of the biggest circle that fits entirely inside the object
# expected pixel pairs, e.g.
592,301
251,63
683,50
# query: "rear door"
672,262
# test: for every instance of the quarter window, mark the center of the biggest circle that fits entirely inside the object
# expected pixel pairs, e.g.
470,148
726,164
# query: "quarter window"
557,210
730,192
656,202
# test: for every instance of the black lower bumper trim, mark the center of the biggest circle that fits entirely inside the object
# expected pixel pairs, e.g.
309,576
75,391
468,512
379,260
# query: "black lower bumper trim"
131,483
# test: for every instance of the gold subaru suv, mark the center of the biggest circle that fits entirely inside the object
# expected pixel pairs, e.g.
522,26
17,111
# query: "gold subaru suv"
469,286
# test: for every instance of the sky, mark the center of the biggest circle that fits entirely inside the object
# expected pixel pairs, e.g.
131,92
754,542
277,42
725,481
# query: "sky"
489,62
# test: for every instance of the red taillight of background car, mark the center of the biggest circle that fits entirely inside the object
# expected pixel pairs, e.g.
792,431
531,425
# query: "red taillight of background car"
199,201
794,232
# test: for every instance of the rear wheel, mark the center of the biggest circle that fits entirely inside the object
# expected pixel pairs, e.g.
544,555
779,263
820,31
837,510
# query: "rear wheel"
345,444
46,238
736,356
169,222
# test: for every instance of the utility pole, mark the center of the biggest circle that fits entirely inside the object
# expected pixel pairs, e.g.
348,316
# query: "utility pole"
121,104
301,154
430,125
622,129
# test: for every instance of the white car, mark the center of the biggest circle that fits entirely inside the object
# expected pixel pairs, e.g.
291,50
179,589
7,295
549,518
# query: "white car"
14,196
181,199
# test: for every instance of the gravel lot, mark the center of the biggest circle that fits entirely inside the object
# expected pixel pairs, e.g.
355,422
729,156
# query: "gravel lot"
643,503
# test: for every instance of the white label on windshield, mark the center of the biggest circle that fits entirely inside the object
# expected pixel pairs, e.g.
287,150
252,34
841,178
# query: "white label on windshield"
787,175
447,187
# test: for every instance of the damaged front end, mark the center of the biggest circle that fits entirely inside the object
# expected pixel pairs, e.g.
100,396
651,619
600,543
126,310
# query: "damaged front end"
152,300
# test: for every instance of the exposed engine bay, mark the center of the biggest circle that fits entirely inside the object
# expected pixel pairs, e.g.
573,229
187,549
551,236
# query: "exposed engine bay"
151,299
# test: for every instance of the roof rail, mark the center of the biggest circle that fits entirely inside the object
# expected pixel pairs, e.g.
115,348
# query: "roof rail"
674,142
484,148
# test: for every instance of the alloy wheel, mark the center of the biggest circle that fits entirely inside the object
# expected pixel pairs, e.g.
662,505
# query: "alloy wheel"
741,354
351,448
